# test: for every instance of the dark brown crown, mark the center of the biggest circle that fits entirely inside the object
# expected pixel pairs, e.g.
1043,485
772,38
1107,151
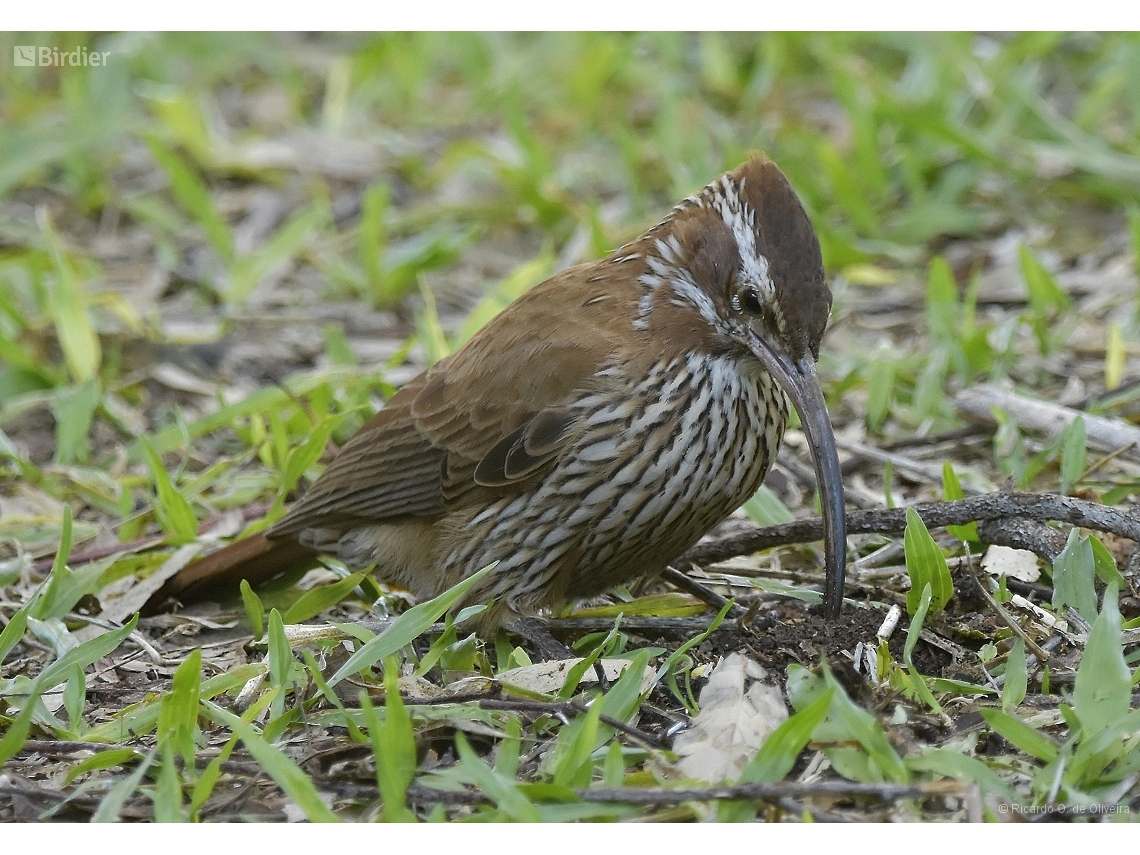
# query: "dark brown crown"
784,235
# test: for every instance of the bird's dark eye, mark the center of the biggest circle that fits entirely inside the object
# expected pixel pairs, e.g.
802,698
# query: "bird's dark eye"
750,301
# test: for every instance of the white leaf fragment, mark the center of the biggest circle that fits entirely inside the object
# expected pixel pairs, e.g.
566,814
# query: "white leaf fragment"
548,677
1014,563
733,722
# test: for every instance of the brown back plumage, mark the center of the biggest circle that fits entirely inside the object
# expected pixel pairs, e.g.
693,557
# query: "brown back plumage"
475,425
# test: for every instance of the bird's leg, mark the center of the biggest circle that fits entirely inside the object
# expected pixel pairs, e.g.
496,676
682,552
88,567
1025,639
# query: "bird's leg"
702,592
534,630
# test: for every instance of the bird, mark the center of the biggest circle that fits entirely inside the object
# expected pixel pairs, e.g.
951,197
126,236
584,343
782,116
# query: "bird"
594,430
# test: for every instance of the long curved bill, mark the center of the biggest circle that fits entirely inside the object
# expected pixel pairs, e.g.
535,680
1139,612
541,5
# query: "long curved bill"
798,380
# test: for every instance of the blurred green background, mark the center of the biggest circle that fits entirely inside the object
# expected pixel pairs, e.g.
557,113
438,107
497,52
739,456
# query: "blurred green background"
895,141
228,176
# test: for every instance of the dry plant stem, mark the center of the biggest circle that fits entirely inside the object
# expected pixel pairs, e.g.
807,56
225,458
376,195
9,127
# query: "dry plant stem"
1104,461
565,709
130,810
494,700
1103,434
1133,570
665,627
993,506
1038,651
657,627
738,792
534,630
703,593
792,807
928,440
59,748
923,471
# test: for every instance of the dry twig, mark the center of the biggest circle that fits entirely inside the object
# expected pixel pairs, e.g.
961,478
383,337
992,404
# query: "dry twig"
993,506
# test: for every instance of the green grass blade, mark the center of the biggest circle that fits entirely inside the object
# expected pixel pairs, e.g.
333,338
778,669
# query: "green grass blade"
142,719
576,672
167,794
254,609
263,400
875,759
103,760
1073,454
108,810
249,270
307,453
917,681
765,508
287,774
75,700
77,338
941,300
1102,692
1073,572
502,791
406,628
209,777
82,655
952,490
178,712
74,411
507,754
317,600
173,511
925,564
194,197
953,764
1045,295
18,730
867,731
1016,677
393,746
777,755
574,766
1104,565
14,631
1021,735
280,661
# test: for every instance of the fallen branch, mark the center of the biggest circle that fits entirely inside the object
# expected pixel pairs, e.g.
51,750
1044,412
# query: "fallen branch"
737,792
1103,434
793,789
1020,533
1041,507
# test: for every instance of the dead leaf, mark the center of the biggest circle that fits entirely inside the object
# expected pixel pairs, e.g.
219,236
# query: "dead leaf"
122,607
732,724
1014,563
547,678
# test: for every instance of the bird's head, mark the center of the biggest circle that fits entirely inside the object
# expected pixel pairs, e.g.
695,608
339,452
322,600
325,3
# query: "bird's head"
738,267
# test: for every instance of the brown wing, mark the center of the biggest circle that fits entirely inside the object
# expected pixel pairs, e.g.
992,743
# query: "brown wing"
479,421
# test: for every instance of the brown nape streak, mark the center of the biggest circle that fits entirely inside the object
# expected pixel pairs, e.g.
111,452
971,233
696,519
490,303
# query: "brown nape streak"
713,257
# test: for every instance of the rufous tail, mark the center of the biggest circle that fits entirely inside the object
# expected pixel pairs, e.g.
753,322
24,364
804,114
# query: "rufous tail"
218,575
